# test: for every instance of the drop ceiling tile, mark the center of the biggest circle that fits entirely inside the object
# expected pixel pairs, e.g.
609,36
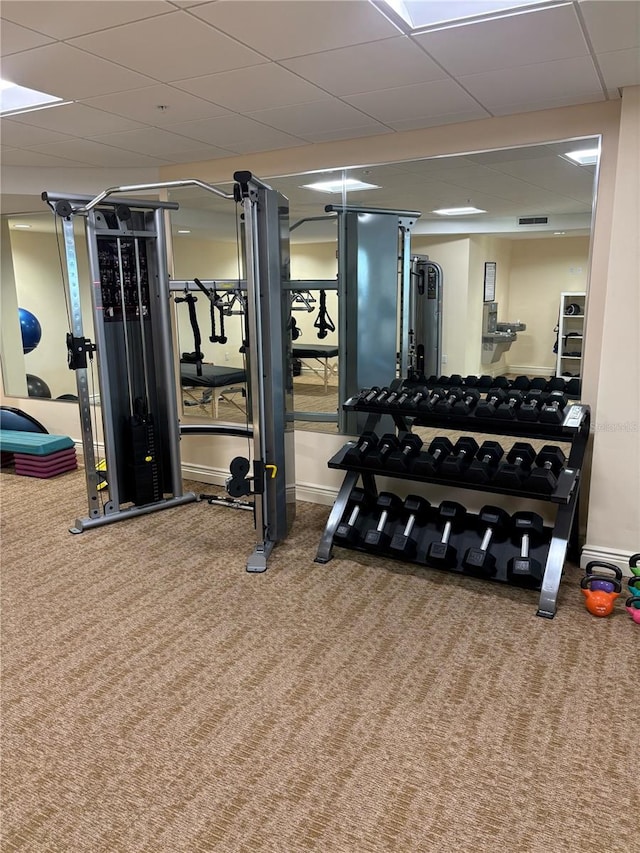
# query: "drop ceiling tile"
620,67
64,19
507,109
437,121
422,100
142,105
280,29
31,157
528,84
197,155
89,153
61,70
355,132
15,134
169,47
227,130
307,120
612,24
14,39
368,67
255,88
151,141
77,120
524,39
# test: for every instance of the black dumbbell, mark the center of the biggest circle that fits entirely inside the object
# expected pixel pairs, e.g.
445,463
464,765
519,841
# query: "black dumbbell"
508,409
470,381
501,382
381,398
444,405
515,471
480,561
386,446
368,395
556,384
521,383
530,408
377,539
483,467
552,410
470,398
455,380
346,530
538,384
441,554
408,449
524,569
403,395
487,407
460,457
485,381
366,444
433,397
549,463
404,543
427,464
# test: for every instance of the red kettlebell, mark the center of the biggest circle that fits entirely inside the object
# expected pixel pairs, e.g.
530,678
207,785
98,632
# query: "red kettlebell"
600,580
632,606
599,602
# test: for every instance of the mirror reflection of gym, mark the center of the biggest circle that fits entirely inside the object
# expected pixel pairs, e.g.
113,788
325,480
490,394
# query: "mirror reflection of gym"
534,264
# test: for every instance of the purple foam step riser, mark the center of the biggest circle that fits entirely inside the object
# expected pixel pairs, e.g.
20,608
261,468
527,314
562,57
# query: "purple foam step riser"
70,453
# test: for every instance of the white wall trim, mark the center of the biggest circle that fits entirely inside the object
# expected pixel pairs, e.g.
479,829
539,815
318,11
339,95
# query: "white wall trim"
531,369
606,555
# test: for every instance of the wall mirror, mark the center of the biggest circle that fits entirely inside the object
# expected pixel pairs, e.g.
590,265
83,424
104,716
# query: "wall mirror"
531,245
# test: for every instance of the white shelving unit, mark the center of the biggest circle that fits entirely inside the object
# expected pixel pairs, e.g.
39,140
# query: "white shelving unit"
570,334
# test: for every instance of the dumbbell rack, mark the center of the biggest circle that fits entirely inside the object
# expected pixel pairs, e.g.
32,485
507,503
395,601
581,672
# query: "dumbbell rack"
553,546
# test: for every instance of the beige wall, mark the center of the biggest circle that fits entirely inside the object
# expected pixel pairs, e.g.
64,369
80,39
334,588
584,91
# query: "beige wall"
611,334
541,270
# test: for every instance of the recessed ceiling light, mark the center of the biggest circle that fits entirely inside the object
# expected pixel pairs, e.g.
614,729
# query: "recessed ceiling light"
586,157
340,184
457,211
183,231
418,16
16,99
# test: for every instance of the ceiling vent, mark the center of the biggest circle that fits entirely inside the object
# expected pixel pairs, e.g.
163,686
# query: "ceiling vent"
533,220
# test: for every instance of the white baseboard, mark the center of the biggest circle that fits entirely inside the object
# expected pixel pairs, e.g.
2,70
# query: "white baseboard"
606,555
531,370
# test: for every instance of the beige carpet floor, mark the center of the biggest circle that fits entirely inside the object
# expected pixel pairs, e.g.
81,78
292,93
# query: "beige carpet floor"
156,697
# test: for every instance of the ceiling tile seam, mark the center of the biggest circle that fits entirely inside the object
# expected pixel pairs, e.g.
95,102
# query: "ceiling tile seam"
585,34
452,77
521,180
67,41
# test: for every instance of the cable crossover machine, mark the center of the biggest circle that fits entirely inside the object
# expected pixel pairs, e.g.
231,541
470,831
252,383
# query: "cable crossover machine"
136,362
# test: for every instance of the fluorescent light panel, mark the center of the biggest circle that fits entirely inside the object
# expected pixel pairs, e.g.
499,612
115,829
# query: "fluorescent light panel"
586,157
339,184
16,99
426,15
457,211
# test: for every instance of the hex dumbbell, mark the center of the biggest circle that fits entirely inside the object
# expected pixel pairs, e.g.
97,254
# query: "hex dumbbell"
524,569
552,410
530,408
401,459
378,457
442,554
403,542
508,409
470,398
515,471
377,539
444,406
427,464
460,457
479,561
346,531
484,466
549,463
487,407
366,443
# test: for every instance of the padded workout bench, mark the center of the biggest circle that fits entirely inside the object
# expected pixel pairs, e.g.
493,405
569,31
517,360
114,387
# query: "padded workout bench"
321,353
214,382
39,454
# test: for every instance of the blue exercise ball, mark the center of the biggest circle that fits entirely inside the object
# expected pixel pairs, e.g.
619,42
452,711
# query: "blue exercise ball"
31,330
37,387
